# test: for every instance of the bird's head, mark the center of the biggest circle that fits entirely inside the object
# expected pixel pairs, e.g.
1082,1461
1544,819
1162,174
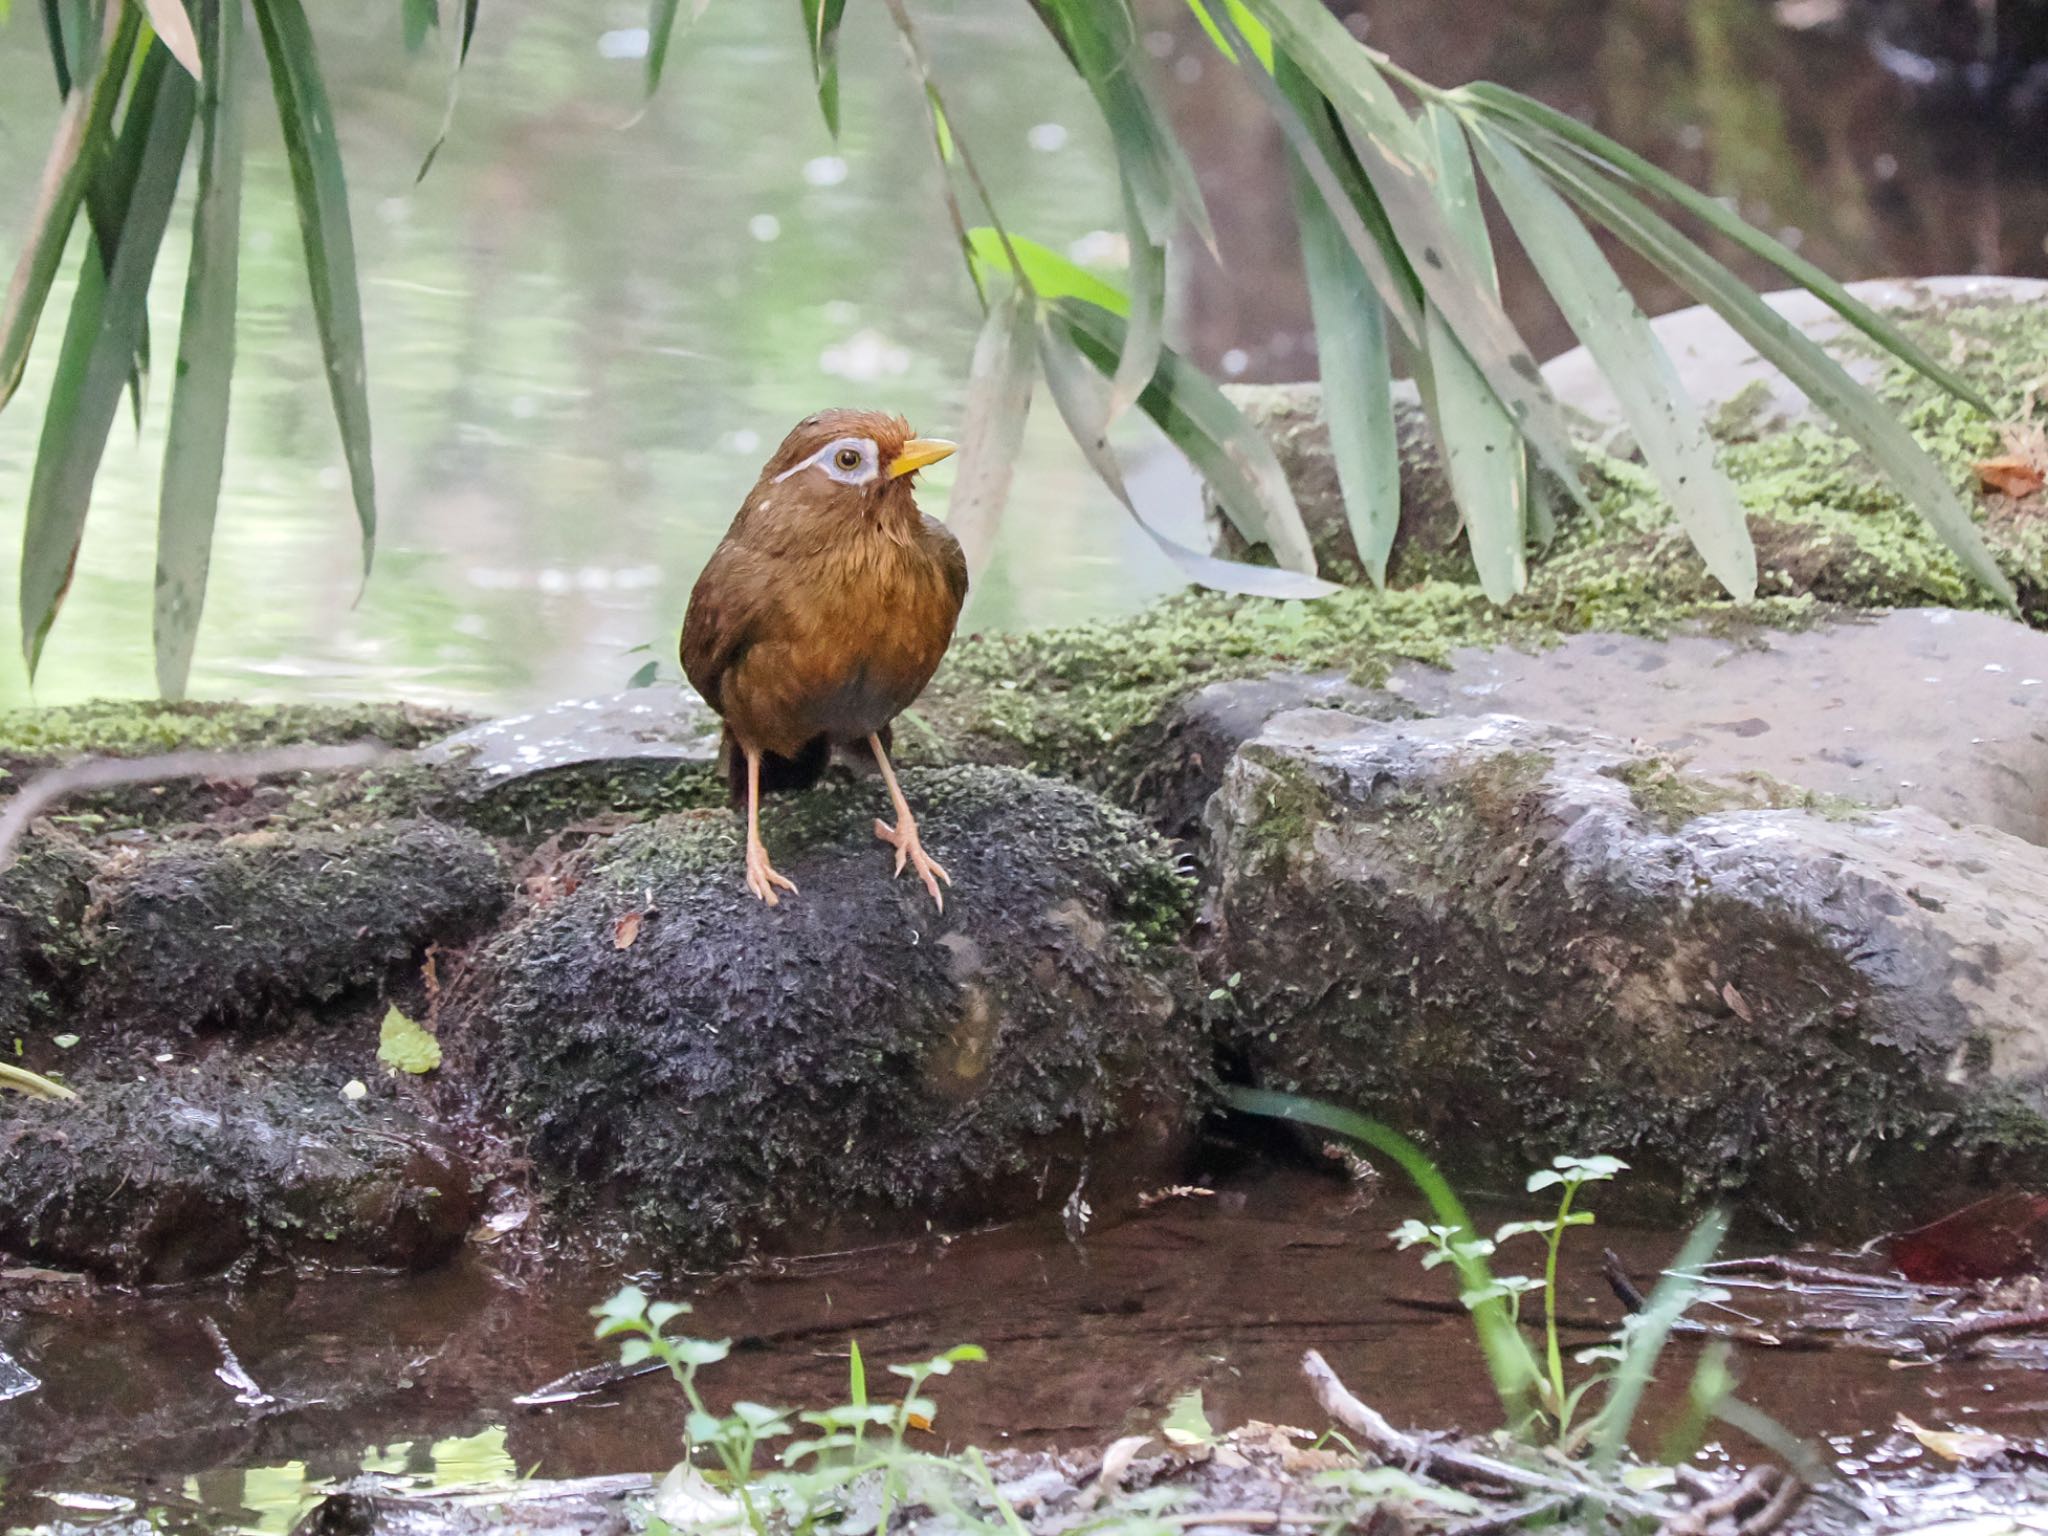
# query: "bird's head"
851,462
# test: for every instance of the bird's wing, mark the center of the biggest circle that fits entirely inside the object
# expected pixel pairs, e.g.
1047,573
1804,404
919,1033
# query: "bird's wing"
952,559
726,613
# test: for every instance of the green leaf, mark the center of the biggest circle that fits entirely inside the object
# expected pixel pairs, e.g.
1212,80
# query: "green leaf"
1250,30
1186,1424
821,32
469,10
636,1351
322,194
1049,273
1667,424
420,17
1103,40
93,364
998,402
1146,334
174,27
662,1313
644,675
1851,406
1351,350
661,29
403,1044
196,445
702,1351
1645,1342
81,132
1226,449
1397,163
626,1304
1724,221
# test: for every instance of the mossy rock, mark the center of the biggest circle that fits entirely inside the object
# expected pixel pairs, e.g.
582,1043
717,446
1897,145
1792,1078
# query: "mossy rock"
240,931
183,1175
718,1073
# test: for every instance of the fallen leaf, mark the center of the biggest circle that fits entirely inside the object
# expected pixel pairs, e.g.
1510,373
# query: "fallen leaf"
2000,1236
918,1420
1737,1003
404,1045
1964,1445
626,930
1116,1461
2011,475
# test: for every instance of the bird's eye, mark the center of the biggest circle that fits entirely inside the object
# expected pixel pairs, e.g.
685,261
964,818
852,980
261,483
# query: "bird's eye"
847,458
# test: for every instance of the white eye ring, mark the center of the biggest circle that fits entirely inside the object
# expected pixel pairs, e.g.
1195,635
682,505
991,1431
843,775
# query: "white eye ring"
849,460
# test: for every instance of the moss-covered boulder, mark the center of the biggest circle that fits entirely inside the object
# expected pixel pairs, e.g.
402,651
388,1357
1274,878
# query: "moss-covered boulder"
1520,940
238,931
180,1175
716,1072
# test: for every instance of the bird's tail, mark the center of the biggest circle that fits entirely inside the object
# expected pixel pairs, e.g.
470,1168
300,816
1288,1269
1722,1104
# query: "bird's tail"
778,773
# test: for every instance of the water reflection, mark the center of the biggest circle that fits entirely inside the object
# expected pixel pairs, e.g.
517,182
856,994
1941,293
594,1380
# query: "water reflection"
584,335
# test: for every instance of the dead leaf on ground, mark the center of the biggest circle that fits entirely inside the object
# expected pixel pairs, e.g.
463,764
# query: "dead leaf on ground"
626,930
1964,1445
1995,1238
2010,474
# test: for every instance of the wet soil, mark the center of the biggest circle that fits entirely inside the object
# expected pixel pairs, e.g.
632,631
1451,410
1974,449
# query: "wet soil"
1086,1339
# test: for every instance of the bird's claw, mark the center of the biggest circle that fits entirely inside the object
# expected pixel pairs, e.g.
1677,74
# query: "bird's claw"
910,851
763,878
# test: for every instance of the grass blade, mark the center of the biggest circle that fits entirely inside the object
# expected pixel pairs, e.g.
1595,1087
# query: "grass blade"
1076,361
1102,39
1516,107
322,194
1396,162
1228,450
1647,1334
1147,333
1357,375
998,403
174,28
1851,406
197,443
821,32
1666,423
92,367
1507,1354
81,127
33,1084
1482,451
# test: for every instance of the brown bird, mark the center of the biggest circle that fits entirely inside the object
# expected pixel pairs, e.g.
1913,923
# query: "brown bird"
822,615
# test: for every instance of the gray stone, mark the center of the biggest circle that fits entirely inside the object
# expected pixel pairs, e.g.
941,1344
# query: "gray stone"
1924,706
1519,940
664,723
722,1073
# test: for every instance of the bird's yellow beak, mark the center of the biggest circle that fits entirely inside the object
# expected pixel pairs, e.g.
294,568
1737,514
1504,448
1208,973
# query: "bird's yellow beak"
919,452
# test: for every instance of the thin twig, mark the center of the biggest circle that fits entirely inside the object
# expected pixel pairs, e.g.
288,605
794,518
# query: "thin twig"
1775,1513
46,789
1445,1462
1940,1336
1752,1488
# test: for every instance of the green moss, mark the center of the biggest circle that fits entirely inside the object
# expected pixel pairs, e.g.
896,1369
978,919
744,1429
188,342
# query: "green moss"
138,728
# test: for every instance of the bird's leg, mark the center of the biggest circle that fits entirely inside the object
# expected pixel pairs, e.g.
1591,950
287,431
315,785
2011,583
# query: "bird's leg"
761,876
903,836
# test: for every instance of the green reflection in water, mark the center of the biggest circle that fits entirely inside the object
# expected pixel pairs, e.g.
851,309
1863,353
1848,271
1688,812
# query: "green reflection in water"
269,1501
585,335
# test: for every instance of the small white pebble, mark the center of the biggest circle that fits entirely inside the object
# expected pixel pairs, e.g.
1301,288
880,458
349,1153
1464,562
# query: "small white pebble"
354,1089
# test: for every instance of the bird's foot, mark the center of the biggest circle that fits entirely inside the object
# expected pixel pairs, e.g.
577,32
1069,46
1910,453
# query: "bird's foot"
910,851
762,878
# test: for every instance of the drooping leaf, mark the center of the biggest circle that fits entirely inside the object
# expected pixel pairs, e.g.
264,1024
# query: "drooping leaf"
1050,274
108,193
1078,347
1249,27
1147,331
1389,150
196,445
322,195
81,127
1666,423
1724,221
821,33
402,1044
661,31
92,366
1103,40
998,402
1482,451
66,25
1357,377
174,27
469,12
419,18
1851,406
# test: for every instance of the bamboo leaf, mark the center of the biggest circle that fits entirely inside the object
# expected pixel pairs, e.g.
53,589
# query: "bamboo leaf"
92,366
1250,28
661,30
1482,452
81,129
1357,375
1147,331
1102,38
1851,406
112,186
1514,106
196,445
998,403
821,31
174,27
469,12
322,194
419,18
1396,162
1050,274
1666,423
1198,419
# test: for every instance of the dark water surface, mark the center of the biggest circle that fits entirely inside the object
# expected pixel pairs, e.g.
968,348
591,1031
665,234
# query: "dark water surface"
588,325
1085,1339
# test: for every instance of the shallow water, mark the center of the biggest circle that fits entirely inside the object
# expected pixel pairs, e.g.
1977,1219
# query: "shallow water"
1086,1339
588,325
